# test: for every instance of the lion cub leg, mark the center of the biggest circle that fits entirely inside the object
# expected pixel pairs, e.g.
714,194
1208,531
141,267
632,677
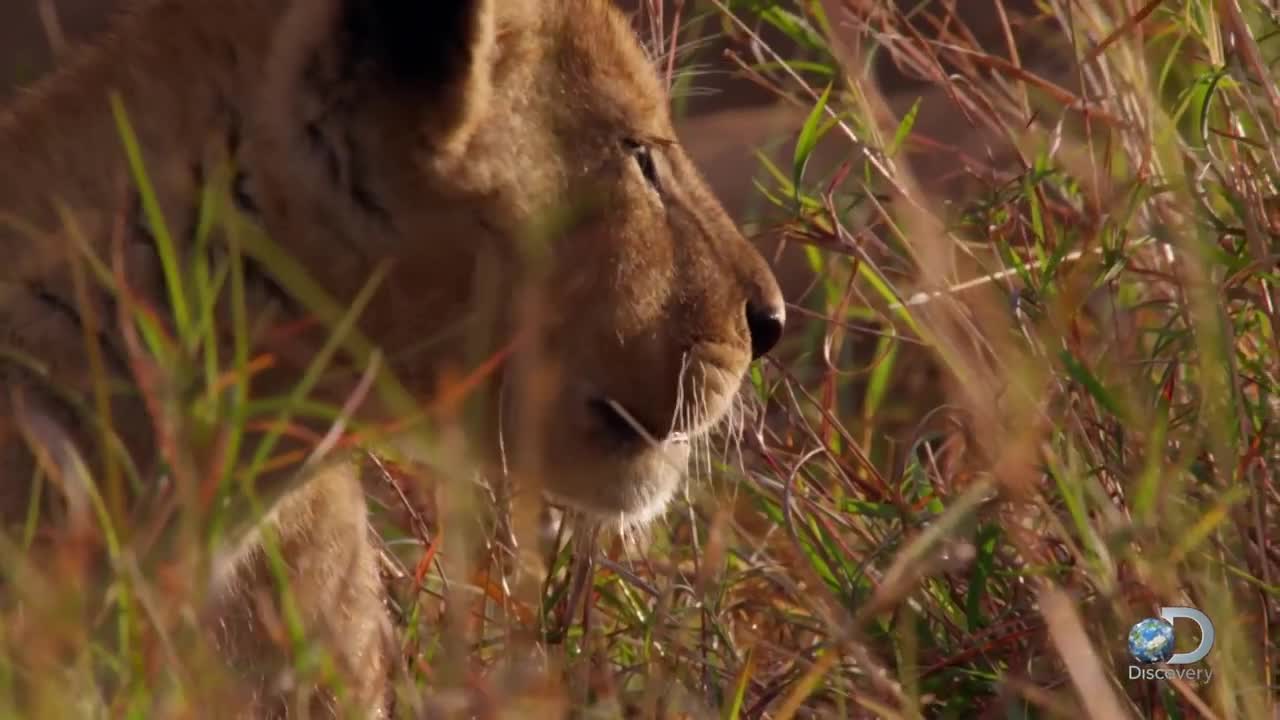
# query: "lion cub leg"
332,572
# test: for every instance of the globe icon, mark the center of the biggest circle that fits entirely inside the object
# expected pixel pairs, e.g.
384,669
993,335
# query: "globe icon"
1151,641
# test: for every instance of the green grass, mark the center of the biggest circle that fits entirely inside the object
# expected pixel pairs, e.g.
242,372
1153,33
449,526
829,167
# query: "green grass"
1015,414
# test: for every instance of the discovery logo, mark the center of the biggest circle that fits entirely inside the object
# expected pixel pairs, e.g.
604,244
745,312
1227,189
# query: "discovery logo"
1151,643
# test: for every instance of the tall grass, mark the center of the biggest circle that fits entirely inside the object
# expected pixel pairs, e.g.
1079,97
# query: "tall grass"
1017,411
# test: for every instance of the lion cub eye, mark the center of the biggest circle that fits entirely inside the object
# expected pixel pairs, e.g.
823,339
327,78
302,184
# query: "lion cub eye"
644,159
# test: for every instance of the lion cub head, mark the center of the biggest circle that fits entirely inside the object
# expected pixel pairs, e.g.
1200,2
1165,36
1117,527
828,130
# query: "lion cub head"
517,161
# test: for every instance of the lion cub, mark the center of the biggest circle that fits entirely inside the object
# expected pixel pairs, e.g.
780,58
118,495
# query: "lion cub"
430,142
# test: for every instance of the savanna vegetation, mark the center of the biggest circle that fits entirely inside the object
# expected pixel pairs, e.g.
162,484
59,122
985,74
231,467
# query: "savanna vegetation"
1027,397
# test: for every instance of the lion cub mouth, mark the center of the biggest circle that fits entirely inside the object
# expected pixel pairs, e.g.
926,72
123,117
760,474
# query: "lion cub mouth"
626,430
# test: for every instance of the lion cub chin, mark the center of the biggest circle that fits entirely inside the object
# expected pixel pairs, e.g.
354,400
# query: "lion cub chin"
505,166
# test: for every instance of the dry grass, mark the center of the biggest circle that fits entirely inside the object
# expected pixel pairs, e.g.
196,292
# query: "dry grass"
1094,295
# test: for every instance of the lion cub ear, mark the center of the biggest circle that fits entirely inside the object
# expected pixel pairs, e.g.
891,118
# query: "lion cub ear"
441,52
433,59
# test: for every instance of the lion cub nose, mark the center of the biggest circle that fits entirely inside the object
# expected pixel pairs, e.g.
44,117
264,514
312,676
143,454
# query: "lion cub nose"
766,318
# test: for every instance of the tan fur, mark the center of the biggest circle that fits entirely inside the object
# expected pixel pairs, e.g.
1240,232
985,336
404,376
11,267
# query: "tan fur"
643,292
